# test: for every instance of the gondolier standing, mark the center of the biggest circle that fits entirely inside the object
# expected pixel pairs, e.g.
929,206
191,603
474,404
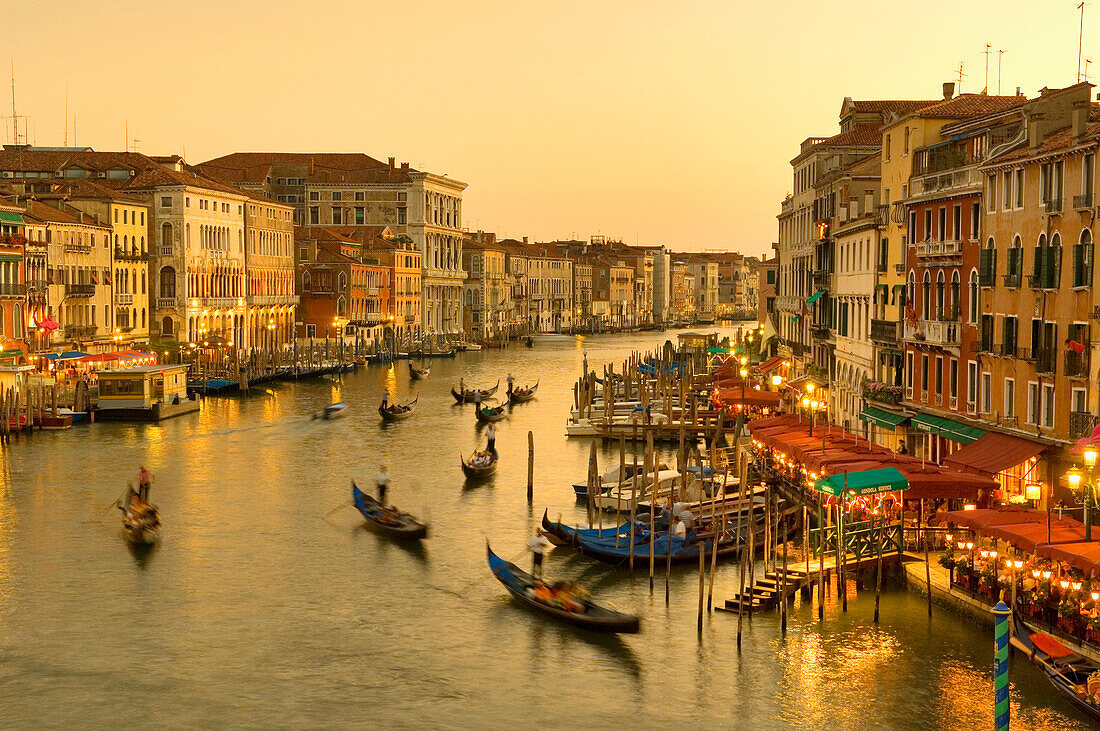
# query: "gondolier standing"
477,400
382,480
491,437
510,379
538,545
145,478
385,399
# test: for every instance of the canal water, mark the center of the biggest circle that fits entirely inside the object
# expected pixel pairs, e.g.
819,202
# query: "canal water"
257,610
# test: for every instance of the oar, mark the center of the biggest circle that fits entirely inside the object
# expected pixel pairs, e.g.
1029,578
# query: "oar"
338,507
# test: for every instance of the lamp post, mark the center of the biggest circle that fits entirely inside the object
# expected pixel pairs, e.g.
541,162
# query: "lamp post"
1077,483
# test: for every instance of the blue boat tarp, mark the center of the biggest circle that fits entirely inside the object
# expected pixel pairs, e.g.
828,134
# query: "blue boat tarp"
67,355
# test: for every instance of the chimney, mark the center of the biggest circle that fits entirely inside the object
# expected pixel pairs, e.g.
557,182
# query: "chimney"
1080,118
1035,131
524,240
1018,91
948,89
404,167
392,160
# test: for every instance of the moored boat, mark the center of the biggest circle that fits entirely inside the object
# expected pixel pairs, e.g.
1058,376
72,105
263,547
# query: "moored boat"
387,521
468,394
395,412
523,395
481,464
562,601
418,373
1069,673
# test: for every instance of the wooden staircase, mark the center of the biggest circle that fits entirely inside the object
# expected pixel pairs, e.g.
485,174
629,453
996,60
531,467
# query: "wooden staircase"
765,592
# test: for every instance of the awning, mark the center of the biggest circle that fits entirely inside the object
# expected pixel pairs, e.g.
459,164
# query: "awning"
993,453
6,217
769,365
866,482
883,418
67,355
814,298
1028,536
1084,555
749,397
953,430
978,520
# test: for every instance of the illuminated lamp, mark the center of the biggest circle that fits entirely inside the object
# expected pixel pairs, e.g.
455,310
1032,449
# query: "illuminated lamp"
1033,490
1036,573
806,401
1096,596
1017,564
1073,477
970,506
1076,585
1064,584
1046,574
810,387
1089,457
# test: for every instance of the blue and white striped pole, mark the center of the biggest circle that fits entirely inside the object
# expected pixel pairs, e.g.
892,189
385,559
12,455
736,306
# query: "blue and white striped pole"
1001,613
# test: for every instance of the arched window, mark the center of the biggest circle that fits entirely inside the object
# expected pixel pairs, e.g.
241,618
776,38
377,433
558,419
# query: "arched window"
912,293
940,309
1038,260
168,283
926,297
167,326
973,303
956,286
166,235
305,281
342,282
1082,260
1053,275
341,306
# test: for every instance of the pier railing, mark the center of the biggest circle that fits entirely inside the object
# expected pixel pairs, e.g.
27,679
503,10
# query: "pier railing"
860,539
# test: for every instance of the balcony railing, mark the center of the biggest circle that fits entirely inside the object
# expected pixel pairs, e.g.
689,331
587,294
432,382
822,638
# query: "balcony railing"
1007,351
899,268
822,278
882,393
128,254
821,332
12,289
77,248
167,251
79,290
1082,202
410,318
1081,424
124,298
933,333
1077,364
885,331
1012,280
168,302
939,248
1053,206
79,331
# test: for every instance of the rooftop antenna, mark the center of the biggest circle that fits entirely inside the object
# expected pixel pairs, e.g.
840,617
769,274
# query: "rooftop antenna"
1085,73
66,136
1080,38
961,74
1000,55
987,49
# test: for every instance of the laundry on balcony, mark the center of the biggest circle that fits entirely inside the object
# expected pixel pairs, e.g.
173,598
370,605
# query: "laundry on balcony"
953,430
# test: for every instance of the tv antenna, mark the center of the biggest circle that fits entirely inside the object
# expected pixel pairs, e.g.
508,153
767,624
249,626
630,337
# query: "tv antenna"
961,74
1000,55
987,49
1080,37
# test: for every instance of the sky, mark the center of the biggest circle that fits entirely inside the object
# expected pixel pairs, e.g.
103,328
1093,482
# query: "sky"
657,122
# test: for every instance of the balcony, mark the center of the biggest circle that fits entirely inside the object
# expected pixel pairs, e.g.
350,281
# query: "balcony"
953,180
128,254
167,302
372,291
939,248
1081,424
882,393
1043,358
899,269
79,331
944,334
1077,364
79,290
1006,351
1053,206
821,279
1082,202
885,331
77,248
124,298
820,332
1012,280
410,318
11,289
167,251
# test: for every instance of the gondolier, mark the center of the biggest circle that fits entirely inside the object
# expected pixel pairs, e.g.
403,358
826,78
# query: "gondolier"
491,439
477,400
382,480
145,479
510,380
385,399
538,546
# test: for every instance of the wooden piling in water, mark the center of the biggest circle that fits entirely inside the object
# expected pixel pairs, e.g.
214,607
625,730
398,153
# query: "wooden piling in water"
530,467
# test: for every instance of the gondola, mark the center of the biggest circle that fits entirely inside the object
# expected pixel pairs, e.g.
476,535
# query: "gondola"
331,411
467,396
390,414
475,471
489,413
523,586
419,373
523,395
140,522
529,341
387,521
561,535
1067,671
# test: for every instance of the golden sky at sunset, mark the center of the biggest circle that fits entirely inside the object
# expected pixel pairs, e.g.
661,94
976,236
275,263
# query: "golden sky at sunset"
661,122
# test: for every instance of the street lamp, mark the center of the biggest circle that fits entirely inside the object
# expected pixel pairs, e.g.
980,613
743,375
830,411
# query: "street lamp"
1083,489
777,380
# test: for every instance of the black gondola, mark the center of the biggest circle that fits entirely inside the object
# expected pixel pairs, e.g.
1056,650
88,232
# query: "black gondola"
523,587
475,471
489,413
467,396
1067,671
418,373
396,413
523,395
387,521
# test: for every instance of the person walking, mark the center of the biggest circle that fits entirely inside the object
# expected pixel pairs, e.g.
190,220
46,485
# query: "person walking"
382,480
538,545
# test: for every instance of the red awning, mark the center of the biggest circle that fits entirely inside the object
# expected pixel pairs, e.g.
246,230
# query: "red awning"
1028,536
769,365
748,397
944,485
993,453
1084,556
976,520
99,358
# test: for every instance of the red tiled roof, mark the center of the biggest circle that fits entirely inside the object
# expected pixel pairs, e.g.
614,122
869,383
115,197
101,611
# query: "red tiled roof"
48,214
970,105
323,167
860,135
1062,139
889,106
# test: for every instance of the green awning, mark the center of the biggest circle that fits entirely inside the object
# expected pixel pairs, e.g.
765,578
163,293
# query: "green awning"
866,482
814,298
796,318
6,217
10,257
883,418
898,286
953,430
12,353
